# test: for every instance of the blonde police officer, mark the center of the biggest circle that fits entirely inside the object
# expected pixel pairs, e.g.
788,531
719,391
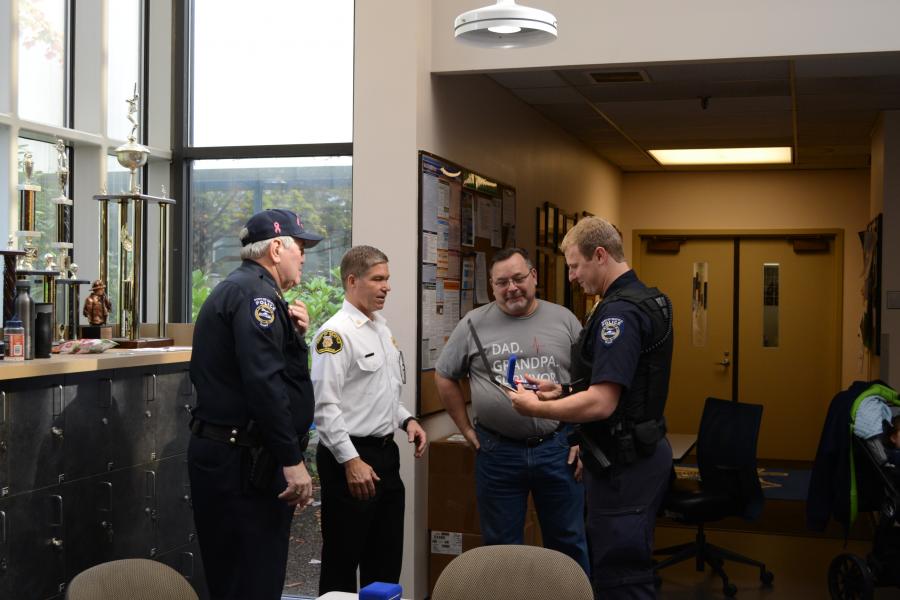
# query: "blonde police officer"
357,373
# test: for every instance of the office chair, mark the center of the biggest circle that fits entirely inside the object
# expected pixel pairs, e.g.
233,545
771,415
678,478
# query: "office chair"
512,572
131,578
728,486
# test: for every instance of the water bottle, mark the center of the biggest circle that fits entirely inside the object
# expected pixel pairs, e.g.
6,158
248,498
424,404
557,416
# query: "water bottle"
25,310
14,339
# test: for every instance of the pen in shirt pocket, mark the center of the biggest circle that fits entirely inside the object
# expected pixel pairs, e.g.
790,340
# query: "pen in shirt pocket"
369,354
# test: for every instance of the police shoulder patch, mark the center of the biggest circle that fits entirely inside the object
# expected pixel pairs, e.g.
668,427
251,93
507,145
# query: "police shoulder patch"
263,310
329,342
610,329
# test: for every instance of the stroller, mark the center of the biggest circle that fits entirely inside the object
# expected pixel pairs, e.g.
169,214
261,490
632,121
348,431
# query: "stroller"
866,478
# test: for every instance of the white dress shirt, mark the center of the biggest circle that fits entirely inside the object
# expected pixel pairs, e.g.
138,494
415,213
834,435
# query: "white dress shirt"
357,371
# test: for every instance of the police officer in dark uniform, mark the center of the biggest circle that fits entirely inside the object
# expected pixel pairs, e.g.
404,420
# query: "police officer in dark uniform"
621,365
254,409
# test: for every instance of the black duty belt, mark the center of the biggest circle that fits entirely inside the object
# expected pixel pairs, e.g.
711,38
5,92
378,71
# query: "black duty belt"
372,441
529,442
237,436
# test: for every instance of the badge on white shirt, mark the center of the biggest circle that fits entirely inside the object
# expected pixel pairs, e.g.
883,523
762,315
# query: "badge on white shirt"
329,341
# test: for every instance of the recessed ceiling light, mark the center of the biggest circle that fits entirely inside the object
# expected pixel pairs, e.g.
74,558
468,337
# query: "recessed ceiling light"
723,156
505,25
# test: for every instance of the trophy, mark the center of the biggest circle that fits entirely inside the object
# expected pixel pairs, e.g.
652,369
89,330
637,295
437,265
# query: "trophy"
131,242
27,201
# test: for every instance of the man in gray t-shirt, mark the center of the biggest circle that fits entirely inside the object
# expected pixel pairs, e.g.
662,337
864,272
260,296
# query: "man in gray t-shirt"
516,455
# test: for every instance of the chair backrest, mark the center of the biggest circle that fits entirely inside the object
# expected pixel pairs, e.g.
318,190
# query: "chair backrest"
512,572
726,451
131,579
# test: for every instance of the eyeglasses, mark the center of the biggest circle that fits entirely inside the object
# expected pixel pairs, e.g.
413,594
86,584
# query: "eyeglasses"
516,279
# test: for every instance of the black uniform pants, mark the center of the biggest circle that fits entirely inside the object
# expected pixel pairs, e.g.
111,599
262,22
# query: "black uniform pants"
622,503
367,534
243,534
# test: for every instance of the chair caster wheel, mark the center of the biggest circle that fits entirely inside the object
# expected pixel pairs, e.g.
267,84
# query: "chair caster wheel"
767,577
730,590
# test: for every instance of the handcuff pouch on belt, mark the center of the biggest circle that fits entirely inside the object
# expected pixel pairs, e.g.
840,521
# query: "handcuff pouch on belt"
262,466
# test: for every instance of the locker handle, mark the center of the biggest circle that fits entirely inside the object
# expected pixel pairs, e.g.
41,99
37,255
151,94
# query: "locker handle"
2,527
57,432
106,486
56,518
150,480
2,407
58,400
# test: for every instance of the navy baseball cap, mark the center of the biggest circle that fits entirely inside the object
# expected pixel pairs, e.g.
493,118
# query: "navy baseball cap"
276,222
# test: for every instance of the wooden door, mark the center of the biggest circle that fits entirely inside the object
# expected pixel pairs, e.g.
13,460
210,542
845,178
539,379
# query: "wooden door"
703,309
789,340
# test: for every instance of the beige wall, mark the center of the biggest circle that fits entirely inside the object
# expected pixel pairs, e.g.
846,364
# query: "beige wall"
600,33
480,125
762,200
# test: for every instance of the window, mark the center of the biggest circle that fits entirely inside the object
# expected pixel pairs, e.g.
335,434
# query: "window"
225,192
292,85
124,72
42,61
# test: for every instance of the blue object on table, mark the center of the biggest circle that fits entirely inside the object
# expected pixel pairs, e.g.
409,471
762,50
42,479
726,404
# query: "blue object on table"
381,591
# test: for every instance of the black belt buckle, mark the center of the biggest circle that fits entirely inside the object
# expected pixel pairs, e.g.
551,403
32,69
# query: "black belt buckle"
535,441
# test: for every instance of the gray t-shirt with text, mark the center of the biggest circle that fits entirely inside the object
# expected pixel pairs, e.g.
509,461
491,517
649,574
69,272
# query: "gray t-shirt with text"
542,343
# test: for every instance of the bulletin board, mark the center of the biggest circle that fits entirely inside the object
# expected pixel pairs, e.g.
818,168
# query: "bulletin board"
464,217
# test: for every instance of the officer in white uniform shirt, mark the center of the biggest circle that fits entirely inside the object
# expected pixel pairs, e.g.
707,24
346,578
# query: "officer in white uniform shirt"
357,373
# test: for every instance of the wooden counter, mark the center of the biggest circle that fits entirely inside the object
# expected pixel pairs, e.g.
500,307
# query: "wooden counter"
61,364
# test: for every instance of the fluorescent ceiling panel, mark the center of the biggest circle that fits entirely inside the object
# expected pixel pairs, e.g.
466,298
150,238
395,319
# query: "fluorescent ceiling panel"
723,156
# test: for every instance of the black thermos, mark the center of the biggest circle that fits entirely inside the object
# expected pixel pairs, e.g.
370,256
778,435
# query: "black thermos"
43,336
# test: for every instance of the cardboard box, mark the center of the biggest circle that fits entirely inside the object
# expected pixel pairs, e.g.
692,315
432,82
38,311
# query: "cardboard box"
452,505
447,545
451,486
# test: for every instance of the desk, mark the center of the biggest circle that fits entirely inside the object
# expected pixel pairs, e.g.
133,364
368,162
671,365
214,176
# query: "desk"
681,443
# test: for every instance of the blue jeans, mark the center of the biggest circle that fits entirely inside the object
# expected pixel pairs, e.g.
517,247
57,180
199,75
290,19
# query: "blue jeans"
505,472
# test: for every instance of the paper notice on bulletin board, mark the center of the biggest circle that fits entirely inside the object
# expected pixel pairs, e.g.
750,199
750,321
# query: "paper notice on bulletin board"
430,200
497,223
484,217
429,247
509,207
468,273
481,295
467,219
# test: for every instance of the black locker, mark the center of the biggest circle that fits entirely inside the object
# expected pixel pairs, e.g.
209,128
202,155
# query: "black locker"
175,398
186,560
36,432
4,444
37,545
133,417
87,425
175,517
5,548
132,518
88,523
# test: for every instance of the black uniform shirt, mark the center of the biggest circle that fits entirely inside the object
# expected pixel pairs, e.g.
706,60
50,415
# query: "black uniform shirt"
250,363
619,328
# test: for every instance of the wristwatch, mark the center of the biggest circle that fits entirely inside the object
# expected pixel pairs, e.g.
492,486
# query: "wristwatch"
406,422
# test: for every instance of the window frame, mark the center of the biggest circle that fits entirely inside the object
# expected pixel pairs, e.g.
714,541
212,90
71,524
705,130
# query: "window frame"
184,154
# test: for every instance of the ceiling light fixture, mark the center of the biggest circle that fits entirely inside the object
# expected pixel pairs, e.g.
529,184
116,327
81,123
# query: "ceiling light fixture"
723,156
505,25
